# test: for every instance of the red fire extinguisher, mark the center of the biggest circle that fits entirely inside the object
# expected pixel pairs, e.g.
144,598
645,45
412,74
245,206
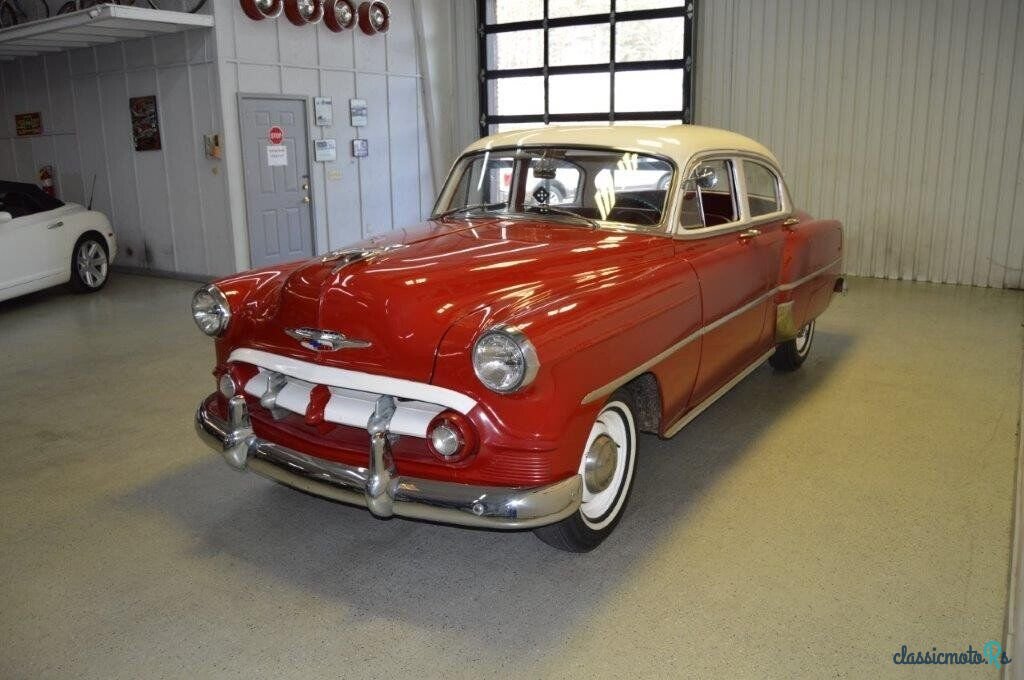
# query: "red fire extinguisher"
46,180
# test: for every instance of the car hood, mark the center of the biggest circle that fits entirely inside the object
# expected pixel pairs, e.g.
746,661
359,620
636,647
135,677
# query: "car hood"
403,300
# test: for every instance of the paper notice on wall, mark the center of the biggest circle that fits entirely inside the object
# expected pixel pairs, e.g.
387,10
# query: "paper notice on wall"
277,154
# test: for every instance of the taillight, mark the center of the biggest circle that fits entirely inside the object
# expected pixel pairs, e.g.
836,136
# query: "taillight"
451,436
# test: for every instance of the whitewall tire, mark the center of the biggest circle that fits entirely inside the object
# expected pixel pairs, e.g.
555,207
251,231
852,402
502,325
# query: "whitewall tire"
608,467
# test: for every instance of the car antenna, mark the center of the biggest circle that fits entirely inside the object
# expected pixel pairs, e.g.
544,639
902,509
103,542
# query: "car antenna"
92,192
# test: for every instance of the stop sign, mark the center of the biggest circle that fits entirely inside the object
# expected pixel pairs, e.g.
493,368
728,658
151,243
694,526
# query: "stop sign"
275,135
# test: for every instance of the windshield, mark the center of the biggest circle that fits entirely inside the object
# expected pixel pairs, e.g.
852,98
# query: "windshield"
580,186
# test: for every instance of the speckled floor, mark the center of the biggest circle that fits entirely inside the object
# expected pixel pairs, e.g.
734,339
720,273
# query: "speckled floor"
806,526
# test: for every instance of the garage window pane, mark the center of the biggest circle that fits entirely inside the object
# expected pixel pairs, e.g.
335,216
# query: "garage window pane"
575,8
649,40
571,59
580,93
578,45
634,5
517,96
505,11
649,91
516,49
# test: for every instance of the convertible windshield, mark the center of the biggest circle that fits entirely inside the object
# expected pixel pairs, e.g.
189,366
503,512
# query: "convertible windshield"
579,186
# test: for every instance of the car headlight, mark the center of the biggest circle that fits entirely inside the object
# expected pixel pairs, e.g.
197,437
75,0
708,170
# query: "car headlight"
504,359
210,310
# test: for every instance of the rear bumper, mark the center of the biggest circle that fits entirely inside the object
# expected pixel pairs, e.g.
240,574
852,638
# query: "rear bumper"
376,486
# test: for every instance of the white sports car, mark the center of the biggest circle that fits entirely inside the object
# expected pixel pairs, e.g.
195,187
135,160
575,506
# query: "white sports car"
45,242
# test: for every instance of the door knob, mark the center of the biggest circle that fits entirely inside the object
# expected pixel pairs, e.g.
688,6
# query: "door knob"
305,187
749,233
305,199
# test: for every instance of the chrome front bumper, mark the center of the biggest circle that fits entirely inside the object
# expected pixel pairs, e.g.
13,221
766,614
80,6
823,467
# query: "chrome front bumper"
376,486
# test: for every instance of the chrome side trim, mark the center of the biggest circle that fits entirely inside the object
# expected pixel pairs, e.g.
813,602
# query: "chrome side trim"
610,387
697,410
378,488
355,380
801,281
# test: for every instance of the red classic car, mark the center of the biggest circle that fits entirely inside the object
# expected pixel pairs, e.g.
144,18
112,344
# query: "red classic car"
492,366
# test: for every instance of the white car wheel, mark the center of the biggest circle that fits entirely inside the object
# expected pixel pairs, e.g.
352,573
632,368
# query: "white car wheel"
607,468
90,264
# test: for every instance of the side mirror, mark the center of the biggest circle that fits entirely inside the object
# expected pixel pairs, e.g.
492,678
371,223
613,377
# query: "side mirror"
705,178
5,217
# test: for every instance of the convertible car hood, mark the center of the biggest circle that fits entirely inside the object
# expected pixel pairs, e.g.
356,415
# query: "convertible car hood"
402,301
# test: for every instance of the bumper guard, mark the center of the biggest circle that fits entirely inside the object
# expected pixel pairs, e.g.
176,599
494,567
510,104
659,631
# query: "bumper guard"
376,486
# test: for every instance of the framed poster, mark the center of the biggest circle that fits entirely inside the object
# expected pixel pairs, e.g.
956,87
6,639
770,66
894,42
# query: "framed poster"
28,124
325,150
323,108
145,123
357,112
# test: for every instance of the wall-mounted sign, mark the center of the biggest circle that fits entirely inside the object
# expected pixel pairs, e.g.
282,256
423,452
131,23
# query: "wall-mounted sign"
275,135
145,124
323,107
357,111
325,150
277,155
28,124
360,148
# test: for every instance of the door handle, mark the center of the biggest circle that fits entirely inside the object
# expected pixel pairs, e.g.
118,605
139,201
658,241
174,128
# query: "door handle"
56,225
749,233
791,221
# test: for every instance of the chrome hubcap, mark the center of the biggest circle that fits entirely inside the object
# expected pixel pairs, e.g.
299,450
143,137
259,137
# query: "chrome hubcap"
803,338
92,264
599,464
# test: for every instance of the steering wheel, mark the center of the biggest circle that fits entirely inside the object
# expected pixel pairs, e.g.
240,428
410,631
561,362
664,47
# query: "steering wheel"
636,203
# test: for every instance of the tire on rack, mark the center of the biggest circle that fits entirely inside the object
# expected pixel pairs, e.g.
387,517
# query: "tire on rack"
791,354
608,467
90,264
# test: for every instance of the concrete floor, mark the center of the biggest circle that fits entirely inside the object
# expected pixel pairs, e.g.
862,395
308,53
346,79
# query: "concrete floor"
807,525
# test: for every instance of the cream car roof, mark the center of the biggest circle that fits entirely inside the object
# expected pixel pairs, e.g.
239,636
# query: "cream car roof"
678,142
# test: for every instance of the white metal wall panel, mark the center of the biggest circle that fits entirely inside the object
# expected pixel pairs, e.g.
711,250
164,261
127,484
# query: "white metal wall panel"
166,206
352,198
902,118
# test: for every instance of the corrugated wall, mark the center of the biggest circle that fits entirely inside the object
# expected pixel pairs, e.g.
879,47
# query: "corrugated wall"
352,197
902,118
167,206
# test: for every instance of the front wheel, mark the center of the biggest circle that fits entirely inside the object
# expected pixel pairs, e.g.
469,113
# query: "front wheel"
90,264
791,354
607,468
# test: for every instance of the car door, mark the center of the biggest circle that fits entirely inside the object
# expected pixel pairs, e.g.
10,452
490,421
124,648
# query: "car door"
31,242
730,261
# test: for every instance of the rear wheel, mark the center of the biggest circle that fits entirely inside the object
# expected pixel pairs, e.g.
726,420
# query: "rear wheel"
90,264
608,466
790,355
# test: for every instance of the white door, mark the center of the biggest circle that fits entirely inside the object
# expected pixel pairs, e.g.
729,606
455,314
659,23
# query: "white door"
275,146
32,244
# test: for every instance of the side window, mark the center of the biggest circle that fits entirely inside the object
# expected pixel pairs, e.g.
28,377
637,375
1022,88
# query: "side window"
762,189
18,204
714,203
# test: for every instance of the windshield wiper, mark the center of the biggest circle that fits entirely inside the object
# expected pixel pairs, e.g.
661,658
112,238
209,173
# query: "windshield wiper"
544,208
468,208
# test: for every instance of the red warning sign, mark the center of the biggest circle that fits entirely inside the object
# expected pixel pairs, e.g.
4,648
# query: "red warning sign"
275,135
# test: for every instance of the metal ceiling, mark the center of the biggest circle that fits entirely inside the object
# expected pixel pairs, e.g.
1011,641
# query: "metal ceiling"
94,26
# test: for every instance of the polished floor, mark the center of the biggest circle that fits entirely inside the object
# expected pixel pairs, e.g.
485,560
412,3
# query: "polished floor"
806,526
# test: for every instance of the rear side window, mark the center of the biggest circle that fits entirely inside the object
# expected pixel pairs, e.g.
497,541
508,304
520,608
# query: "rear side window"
762,189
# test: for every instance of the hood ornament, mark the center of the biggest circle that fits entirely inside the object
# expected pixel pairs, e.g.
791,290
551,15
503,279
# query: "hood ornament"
325,341
347,256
